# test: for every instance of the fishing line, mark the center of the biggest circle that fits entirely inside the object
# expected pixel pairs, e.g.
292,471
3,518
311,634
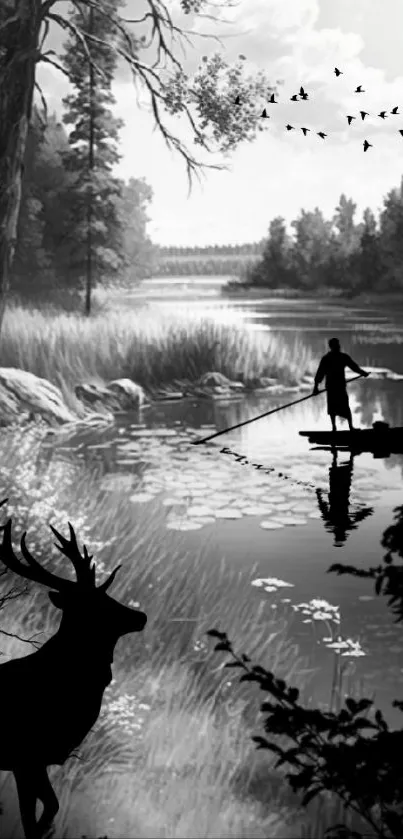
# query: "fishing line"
269,469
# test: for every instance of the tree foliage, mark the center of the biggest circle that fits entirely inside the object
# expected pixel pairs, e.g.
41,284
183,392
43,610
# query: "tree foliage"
47,233
338,254
93,152
205,101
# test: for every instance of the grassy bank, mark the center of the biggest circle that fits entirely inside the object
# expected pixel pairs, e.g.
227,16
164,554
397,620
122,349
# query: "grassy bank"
171,754
153,350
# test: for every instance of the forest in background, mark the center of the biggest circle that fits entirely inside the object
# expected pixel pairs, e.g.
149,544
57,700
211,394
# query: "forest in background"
76,217
50,253
337,253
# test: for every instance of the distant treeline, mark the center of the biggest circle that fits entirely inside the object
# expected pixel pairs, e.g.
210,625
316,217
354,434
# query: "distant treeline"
249,249
337,254
218,260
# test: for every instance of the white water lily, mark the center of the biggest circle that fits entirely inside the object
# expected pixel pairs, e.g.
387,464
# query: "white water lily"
337,645
271,581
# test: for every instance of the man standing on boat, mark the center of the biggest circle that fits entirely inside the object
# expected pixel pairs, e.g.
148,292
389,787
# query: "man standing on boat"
332,366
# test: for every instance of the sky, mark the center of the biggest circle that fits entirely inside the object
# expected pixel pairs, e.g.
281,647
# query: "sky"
281,172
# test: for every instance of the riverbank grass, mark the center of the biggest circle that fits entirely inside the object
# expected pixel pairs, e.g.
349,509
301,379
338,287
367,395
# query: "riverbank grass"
152,350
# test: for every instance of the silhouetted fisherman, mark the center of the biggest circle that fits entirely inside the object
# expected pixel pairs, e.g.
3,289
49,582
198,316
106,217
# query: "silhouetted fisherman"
335,512
332,366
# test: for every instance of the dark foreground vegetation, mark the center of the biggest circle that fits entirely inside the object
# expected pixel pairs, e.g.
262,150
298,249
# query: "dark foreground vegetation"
349,753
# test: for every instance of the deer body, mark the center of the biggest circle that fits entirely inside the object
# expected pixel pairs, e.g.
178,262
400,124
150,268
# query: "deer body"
50,699
60,704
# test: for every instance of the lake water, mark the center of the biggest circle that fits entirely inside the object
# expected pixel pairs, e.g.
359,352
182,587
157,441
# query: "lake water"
284,523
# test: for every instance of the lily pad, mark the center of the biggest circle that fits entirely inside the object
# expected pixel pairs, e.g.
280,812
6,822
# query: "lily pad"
172,502
257,510
271,524
183,525
227,513
141,497
291,520
199,510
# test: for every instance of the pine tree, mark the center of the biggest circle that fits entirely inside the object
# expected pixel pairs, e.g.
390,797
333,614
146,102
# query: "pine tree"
94,218
205,100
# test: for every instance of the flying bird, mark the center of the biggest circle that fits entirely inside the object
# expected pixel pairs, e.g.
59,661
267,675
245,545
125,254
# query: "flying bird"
321,134
238,100
294,98
367,145
304,96
394,110
364,114
264,114
359,89
305,130
338,72
382,115
289,127
350,119
301,91
272,100
401,131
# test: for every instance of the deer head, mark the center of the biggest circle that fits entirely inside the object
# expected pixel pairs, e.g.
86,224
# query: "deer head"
86,608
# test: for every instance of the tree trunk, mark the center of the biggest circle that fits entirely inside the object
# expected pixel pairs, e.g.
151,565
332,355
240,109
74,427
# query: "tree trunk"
90,196
20,23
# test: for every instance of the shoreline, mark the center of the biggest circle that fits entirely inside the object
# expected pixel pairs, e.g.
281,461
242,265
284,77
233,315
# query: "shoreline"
324,295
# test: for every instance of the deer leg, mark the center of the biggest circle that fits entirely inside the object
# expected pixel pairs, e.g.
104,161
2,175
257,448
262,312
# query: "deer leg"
46,794
27,800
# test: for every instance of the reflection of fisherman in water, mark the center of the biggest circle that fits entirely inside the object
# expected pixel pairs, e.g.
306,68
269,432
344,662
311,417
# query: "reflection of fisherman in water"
335,512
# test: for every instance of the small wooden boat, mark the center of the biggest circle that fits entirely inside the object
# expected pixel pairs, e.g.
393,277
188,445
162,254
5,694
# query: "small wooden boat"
381,437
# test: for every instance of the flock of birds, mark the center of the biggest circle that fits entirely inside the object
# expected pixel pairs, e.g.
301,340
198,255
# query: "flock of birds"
303,95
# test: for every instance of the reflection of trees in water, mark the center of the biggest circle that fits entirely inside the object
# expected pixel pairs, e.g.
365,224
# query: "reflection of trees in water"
380,395
388,577
394,460
336,511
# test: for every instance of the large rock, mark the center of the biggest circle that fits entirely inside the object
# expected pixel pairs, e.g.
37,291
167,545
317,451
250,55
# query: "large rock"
117,395
24,396
215,385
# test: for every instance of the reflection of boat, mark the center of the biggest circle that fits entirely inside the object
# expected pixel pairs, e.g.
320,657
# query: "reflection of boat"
378,438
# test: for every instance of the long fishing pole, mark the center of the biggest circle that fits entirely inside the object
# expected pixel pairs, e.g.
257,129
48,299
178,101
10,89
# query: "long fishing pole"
266,414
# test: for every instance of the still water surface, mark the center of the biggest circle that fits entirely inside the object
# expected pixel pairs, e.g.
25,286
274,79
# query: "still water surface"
288,528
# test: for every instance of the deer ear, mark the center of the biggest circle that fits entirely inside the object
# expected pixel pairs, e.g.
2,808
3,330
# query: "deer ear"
57,599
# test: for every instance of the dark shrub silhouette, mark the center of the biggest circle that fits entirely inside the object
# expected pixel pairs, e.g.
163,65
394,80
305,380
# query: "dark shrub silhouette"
50,699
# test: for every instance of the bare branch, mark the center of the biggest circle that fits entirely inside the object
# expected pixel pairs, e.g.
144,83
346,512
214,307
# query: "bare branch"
43,100
67,24
46,25
18,637
44,57
46,7
161,21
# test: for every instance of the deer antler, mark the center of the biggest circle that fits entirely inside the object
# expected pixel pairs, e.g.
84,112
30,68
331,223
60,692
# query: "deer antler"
85,572
34,571
109,580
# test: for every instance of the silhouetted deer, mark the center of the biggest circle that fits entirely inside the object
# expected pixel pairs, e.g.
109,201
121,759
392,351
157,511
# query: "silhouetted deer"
50,699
